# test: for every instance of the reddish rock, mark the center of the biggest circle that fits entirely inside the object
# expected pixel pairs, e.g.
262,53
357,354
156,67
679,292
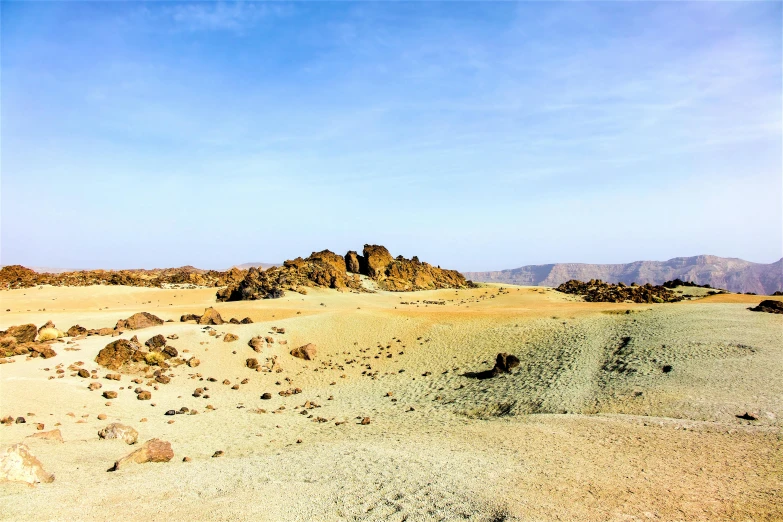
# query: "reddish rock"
144,396
154,450
230,338
252,363
256,343
108,394
306,352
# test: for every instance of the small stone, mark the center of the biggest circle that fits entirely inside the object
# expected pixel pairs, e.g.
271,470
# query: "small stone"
144,396
218,453
108,394
365,421
101,416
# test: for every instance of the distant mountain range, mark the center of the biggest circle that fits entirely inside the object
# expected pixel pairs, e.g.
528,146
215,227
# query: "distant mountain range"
735,275
245,266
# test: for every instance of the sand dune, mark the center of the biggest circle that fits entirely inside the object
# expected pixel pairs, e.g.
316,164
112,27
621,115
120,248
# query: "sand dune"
588,427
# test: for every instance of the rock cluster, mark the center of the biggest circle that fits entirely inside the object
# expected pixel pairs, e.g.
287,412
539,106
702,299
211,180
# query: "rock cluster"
596,291
124,353
329,270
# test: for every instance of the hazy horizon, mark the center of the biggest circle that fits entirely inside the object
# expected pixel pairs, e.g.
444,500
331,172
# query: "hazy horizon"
477,136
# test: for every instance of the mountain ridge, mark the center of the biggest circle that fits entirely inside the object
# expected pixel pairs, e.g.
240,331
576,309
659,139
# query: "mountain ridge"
733,274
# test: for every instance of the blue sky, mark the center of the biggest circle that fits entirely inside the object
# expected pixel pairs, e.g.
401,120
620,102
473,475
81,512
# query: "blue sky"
477,136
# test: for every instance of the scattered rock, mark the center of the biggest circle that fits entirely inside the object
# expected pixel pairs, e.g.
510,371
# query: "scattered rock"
144,396
256,343
118,353
189,317
266,396
252,363
218,453
365,421
108,394
230,338
193,362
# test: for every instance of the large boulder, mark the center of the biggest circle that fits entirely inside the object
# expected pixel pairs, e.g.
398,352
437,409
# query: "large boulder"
118,353
138,321
119,431
25,333
770,306
17,464
211,317
306,352
154,450
377,259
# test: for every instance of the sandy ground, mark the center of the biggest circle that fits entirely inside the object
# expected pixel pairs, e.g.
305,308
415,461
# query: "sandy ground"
589,427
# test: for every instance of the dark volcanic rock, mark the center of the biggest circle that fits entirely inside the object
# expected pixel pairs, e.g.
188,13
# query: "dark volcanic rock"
596,290
770,306
156,342
503,364
76,330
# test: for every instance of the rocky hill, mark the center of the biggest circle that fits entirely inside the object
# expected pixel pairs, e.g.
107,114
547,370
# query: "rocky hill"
17,276
735,275
330,270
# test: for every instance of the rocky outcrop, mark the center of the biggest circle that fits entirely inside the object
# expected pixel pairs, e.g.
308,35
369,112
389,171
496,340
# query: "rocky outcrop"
154,450
328,270
596,290
17,276
17,464
76,330
769,306
138,321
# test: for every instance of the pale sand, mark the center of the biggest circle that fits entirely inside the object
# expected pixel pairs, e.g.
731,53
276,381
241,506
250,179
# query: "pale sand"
582,430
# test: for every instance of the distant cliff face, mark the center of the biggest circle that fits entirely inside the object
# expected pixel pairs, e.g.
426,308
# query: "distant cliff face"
735,275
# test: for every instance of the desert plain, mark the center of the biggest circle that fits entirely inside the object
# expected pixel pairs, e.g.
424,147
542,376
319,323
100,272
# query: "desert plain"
617,411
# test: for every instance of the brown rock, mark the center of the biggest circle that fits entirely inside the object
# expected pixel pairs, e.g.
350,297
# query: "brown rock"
139,321
113,376
84,374
211,317
352,263
119,431
43,350
144,396
76,331
365,421
189,317
306,352
101,416
230,338
256,343
170,351
17,464
49,324
25,333
108,394
246,320
193,362
163,379
95,386
252,363
154,450
155,343
118,353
